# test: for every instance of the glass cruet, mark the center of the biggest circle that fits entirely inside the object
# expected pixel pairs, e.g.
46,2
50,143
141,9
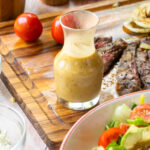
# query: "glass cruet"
78,68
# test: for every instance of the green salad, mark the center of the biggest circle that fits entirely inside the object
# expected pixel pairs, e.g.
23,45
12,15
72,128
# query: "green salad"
129,128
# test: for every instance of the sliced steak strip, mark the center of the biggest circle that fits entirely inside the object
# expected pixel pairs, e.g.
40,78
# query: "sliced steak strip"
148,54
101,41
111,52
143,65
127,76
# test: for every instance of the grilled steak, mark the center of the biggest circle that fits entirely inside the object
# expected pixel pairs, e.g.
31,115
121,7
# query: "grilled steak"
101,41
127,76
143,65
148,54
111,52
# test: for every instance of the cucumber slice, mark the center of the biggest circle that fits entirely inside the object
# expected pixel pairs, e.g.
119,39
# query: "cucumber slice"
122,113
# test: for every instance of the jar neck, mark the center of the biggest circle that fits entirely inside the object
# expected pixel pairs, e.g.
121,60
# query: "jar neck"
79,43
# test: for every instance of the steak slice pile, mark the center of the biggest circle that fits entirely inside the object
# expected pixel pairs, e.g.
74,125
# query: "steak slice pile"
143,65
127,75
133,72
111,52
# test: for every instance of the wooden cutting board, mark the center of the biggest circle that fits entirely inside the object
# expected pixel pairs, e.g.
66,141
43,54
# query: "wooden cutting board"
27,69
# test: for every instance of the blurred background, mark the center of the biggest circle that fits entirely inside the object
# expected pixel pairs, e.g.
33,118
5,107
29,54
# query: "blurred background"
43,6
10,9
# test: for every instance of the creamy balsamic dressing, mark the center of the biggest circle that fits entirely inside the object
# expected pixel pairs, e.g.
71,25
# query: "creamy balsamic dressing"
78,68
78,79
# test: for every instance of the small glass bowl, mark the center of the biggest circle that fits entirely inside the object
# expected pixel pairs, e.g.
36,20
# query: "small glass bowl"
14,124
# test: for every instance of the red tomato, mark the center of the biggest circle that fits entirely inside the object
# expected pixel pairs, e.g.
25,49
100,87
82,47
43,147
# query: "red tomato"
28,27
142,111
57,31
123,128
109,136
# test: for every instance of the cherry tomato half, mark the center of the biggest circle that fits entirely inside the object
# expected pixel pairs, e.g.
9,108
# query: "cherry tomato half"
142,111
57,31
123,128
109,136
28,27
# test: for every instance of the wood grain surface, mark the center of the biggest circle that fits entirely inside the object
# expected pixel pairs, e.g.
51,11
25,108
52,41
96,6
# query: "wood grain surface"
10,9
55,2
27,70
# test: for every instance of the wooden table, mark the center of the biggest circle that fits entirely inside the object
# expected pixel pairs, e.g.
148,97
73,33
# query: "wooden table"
33,141
28,70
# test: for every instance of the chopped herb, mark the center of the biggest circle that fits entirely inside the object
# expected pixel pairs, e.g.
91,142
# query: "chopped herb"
133,105
112,124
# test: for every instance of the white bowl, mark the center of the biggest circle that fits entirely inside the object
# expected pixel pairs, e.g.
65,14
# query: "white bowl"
14,124
85,133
